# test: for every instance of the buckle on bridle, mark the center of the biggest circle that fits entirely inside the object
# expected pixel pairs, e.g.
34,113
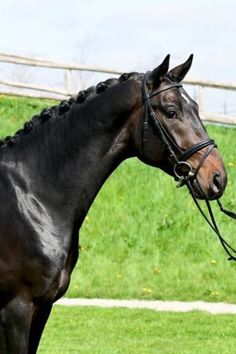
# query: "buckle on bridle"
183,171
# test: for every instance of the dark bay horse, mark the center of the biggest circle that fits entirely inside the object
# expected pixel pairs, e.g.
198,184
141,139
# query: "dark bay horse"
52,169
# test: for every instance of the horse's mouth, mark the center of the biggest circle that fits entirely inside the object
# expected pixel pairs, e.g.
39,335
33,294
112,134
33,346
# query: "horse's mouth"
203,193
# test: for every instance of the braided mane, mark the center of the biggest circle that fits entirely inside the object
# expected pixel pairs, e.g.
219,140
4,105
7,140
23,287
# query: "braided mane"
63,107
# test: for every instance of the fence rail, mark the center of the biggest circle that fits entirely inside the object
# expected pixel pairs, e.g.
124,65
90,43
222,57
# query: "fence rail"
26,89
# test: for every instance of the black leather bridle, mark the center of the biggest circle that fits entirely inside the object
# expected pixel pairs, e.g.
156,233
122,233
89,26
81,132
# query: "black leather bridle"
182,170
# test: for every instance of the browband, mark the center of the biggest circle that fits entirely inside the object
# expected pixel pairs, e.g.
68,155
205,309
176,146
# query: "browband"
164,88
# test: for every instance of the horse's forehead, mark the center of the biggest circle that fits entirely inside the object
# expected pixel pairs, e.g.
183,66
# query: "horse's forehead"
175,95
172,95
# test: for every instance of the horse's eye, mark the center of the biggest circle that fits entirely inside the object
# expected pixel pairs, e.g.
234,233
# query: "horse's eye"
171,114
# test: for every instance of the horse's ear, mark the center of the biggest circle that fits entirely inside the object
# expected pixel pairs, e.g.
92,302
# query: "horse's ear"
158,73
180,71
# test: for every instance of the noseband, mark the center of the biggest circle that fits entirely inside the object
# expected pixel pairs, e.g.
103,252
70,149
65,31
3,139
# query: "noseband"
182,170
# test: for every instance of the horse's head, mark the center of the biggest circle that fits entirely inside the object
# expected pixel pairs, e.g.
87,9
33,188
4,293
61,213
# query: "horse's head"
171,136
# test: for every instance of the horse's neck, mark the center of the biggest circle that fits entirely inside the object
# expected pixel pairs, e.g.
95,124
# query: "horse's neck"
67,170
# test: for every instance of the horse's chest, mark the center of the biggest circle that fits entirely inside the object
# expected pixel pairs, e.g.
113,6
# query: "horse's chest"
42,244
61,282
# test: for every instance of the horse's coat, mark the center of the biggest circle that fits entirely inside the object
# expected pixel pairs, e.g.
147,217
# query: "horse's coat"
50,173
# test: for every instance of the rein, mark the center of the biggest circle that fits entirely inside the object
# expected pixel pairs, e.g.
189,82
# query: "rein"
183,171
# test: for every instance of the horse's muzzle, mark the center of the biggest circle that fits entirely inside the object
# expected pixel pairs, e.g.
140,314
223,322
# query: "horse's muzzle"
215,188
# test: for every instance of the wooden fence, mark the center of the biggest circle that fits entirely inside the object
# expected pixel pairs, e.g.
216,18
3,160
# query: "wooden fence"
26,89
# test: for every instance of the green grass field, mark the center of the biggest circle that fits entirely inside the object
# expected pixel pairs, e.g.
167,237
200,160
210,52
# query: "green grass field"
143,237
112,331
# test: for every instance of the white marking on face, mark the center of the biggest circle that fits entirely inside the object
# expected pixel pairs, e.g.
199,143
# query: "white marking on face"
185,97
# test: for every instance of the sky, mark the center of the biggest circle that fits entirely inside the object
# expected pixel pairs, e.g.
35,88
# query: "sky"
127,35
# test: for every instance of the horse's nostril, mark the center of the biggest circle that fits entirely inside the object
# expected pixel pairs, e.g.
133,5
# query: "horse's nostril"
217,181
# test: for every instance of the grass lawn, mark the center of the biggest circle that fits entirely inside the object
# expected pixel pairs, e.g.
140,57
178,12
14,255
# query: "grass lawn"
112,331
143,238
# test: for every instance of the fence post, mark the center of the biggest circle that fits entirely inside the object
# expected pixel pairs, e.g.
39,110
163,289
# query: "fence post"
201,103
69,81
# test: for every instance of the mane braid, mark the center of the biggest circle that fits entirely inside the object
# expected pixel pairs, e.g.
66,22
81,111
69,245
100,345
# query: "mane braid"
63,107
